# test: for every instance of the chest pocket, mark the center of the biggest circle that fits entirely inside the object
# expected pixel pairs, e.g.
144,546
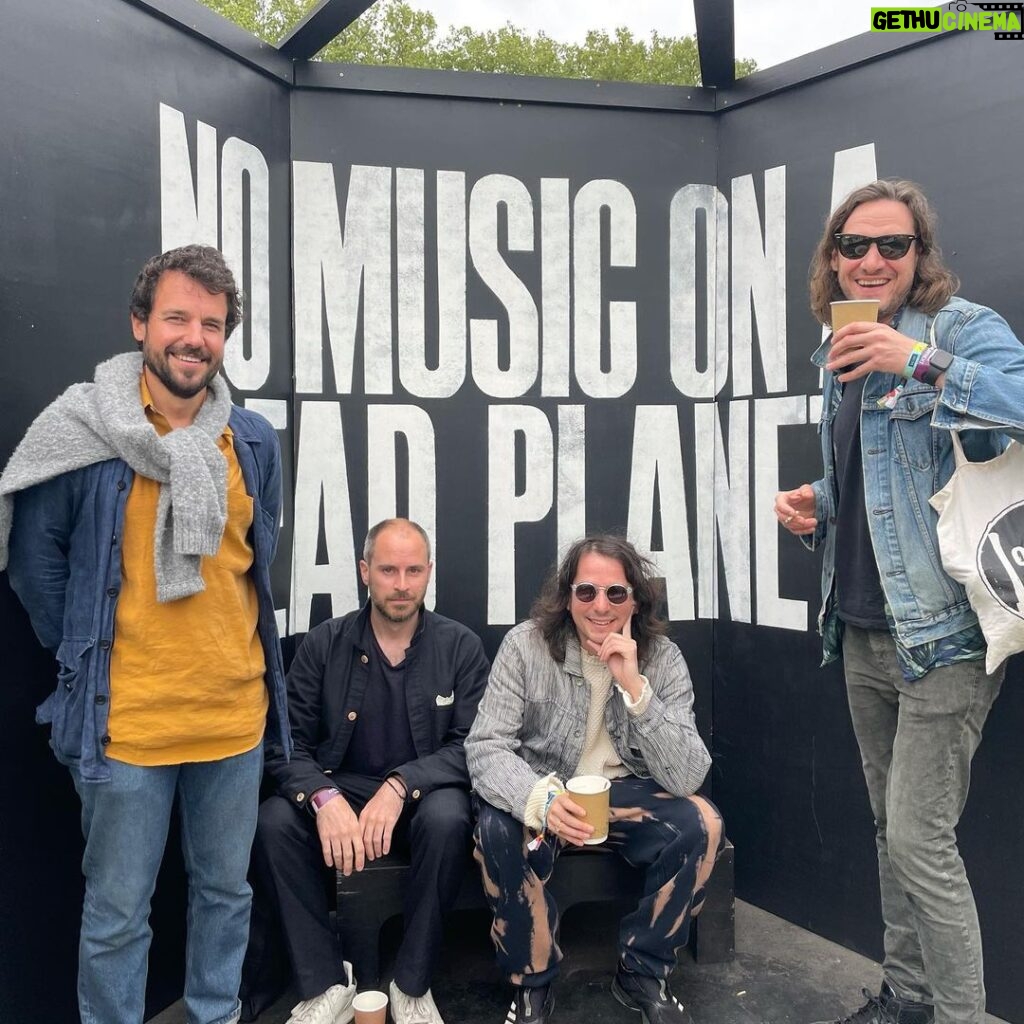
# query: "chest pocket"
547,717
913,441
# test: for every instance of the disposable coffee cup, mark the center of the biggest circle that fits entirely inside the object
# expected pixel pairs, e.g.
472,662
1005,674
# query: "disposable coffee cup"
850,311
591,793
370,1007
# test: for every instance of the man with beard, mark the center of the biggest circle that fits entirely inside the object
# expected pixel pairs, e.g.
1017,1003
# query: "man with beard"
145,519
381,701
912,649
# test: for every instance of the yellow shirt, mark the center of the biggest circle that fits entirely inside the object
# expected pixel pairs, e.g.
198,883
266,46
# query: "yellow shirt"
186,677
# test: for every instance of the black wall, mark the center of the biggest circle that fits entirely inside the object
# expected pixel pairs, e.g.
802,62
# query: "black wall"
85,197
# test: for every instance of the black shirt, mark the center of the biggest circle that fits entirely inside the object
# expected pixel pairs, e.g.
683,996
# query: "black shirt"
859,597
381,739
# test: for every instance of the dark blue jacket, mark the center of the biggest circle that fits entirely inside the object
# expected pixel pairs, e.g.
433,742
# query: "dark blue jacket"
446,672
65,566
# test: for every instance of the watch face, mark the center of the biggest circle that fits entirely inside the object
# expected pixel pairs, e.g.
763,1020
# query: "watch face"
941,359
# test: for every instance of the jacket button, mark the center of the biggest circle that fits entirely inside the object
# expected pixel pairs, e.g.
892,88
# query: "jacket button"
105,740
415,794
101,698
68,687
299,797
111,591
105,645
352,716
121,485
364,659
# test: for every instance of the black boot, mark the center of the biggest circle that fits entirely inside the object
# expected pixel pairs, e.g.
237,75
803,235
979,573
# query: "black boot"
531,1005
887,1008
650,997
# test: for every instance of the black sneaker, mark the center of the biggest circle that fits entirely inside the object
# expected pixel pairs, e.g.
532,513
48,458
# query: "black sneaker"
650,997
887,1008
531,1005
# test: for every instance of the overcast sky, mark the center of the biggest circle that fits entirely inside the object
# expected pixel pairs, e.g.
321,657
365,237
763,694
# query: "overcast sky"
770,31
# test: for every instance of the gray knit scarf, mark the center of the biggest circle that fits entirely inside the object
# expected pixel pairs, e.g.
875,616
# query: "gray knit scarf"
105,419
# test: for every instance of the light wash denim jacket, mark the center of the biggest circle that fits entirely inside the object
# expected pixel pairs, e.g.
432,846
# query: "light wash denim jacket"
532,722
907,456
65,566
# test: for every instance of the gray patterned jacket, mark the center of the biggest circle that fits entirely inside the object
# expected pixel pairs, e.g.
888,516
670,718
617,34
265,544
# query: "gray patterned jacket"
533,715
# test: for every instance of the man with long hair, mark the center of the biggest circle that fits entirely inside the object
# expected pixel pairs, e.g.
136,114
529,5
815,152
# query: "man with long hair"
912,649
590,686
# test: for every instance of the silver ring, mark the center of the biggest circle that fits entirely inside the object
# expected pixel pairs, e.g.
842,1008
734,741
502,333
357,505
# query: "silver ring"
788,519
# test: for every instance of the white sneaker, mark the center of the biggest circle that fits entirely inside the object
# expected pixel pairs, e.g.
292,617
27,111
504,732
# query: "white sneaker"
331,1007
413,1009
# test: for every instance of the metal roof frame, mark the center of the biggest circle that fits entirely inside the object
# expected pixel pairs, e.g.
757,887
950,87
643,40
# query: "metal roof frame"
290,62
716,35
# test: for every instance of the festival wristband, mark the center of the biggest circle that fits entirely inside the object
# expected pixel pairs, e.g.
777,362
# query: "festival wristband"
924,364
321,797
552,793
913,359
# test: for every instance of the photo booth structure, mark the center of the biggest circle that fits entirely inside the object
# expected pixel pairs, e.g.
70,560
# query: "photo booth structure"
515,309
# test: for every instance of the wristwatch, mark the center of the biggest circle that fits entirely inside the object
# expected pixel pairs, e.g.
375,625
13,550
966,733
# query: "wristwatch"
939,361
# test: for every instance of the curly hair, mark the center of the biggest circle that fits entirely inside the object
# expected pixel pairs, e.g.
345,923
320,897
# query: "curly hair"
551,608
933,283
201,262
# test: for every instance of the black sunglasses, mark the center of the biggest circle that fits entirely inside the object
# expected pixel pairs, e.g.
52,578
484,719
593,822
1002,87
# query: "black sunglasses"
587,592
890,247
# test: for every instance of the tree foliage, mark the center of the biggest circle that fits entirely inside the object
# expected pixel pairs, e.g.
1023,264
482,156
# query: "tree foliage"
393,33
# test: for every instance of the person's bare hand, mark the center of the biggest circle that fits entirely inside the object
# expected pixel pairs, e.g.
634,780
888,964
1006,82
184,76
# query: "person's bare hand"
378,820
566,821
618,652
341,837
795,510
861,347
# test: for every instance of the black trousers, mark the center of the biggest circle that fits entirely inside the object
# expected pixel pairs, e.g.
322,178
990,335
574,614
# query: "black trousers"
291,889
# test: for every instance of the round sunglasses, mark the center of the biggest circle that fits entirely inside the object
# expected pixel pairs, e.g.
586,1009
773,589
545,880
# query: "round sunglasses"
587,592
890,247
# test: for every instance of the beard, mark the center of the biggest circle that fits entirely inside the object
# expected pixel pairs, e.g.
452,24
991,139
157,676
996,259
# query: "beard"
397,617
159,366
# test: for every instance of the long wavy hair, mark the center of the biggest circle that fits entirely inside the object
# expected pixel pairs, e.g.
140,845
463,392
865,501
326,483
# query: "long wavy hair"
933,283
551,608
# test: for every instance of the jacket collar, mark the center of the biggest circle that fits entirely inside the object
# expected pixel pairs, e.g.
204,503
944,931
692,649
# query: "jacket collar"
358,630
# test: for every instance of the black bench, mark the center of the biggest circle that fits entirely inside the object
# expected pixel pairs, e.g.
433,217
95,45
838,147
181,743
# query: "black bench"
366,900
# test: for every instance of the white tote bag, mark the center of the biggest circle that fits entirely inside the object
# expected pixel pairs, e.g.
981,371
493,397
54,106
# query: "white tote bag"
981,539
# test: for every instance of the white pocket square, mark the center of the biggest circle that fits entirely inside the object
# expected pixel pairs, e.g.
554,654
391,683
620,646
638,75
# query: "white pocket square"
443,702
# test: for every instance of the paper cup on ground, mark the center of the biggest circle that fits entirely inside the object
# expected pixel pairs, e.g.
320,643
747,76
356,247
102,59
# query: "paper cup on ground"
591,793
849,311
370,1007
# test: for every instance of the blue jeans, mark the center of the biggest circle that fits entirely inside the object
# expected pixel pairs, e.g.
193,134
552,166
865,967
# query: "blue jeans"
917,740
125,823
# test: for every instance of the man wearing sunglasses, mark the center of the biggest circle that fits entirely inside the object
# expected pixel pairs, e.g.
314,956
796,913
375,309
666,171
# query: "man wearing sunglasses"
912,649
590,686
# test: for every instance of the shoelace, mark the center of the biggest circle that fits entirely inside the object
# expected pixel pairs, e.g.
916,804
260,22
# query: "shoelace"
313,1012
419,1010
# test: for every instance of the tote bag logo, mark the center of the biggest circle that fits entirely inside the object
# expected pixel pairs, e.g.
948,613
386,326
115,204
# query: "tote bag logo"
1001,558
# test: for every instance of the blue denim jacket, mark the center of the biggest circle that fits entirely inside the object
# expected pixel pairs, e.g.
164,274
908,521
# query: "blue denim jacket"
907,456
65,566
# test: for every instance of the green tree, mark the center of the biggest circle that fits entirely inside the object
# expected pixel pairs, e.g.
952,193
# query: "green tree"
393,33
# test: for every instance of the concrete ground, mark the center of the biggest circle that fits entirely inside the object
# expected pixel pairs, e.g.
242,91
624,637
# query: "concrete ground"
781,975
